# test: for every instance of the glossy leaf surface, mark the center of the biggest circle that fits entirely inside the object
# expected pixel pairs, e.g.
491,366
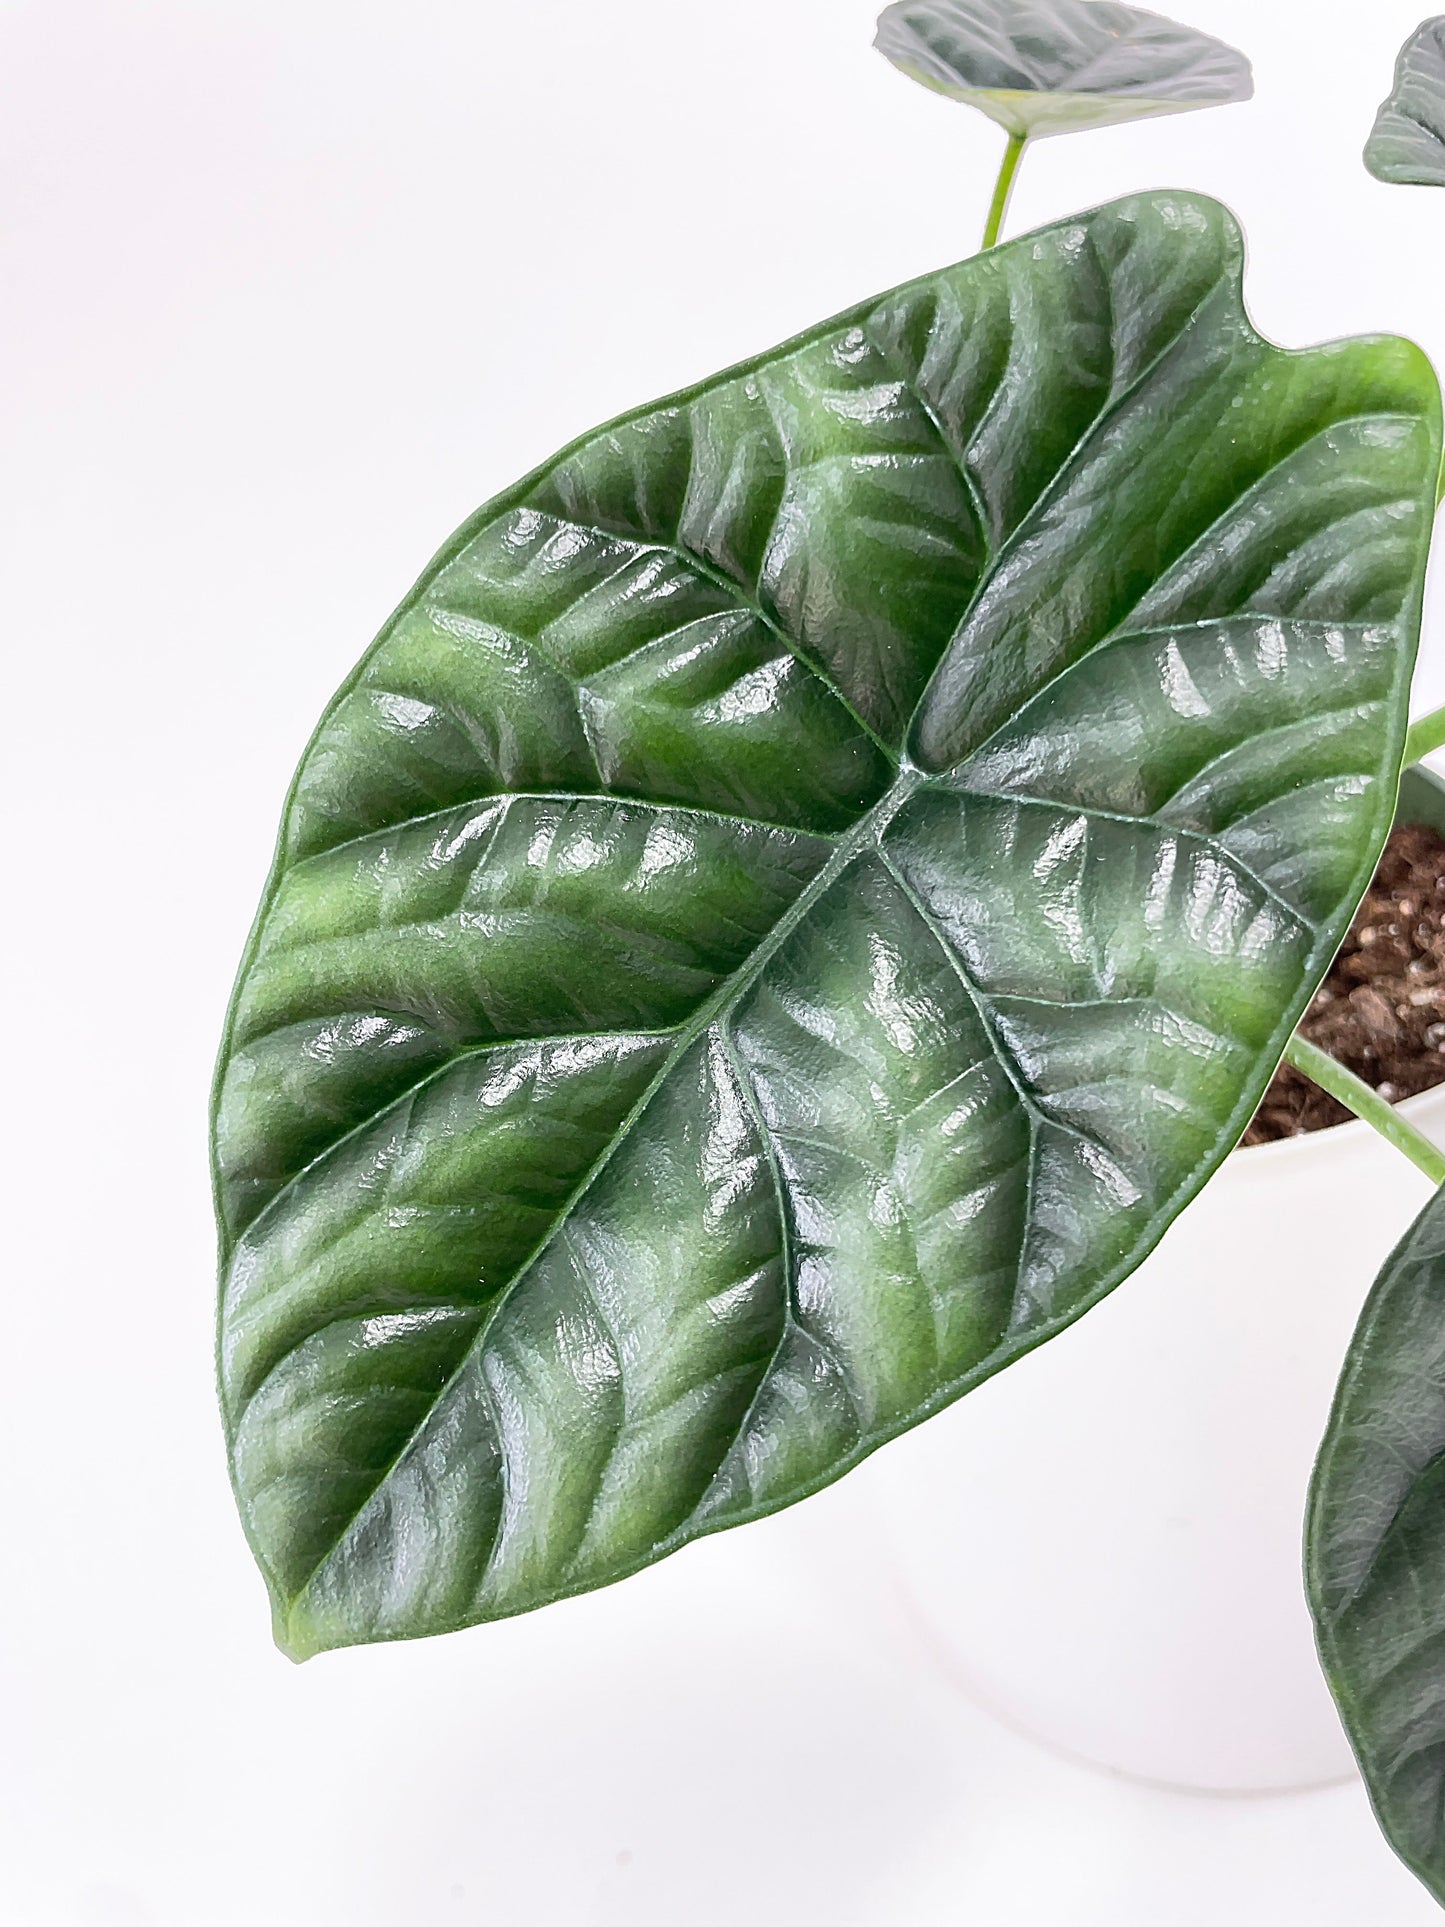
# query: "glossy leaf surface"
1408,141
1042,67
1376,1546
799,896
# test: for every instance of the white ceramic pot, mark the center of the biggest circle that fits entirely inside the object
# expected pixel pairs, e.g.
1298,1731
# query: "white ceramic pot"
1103,1544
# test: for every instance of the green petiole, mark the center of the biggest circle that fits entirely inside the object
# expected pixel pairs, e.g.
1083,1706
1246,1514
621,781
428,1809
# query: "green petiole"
1427,733
1367,1105
1013,154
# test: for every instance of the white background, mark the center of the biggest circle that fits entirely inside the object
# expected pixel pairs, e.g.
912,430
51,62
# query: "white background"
288,287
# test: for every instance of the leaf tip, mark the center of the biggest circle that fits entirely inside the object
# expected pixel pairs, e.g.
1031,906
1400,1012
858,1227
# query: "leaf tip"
294,1637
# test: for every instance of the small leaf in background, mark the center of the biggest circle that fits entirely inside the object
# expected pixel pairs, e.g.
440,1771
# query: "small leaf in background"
1375,1546
1407,145
806,888
1041,67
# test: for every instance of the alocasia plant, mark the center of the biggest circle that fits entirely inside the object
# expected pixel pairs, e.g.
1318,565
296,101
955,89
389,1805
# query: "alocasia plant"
803,892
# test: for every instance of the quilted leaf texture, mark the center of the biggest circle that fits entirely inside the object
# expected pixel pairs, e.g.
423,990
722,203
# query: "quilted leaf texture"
806,888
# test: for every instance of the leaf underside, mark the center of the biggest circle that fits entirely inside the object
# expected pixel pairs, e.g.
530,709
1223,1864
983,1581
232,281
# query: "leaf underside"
1375,1546
1407,145
1057,68
800,895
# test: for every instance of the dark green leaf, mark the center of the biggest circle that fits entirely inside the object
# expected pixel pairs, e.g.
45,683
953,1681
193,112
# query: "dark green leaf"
1375,1546
801,894
1055,66
1408,141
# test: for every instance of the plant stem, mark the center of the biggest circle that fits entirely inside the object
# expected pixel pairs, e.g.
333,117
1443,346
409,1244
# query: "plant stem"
1013,154
1368,1105
1425,734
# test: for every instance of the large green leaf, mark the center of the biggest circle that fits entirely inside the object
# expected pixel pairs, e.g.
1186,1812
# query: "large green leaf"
1375,1549
1042,67
1408,141
796,900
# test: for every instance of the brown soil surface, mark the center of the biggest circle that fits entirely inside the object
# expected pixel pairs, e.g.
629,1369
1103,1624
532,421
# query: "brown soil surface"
1381,1010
